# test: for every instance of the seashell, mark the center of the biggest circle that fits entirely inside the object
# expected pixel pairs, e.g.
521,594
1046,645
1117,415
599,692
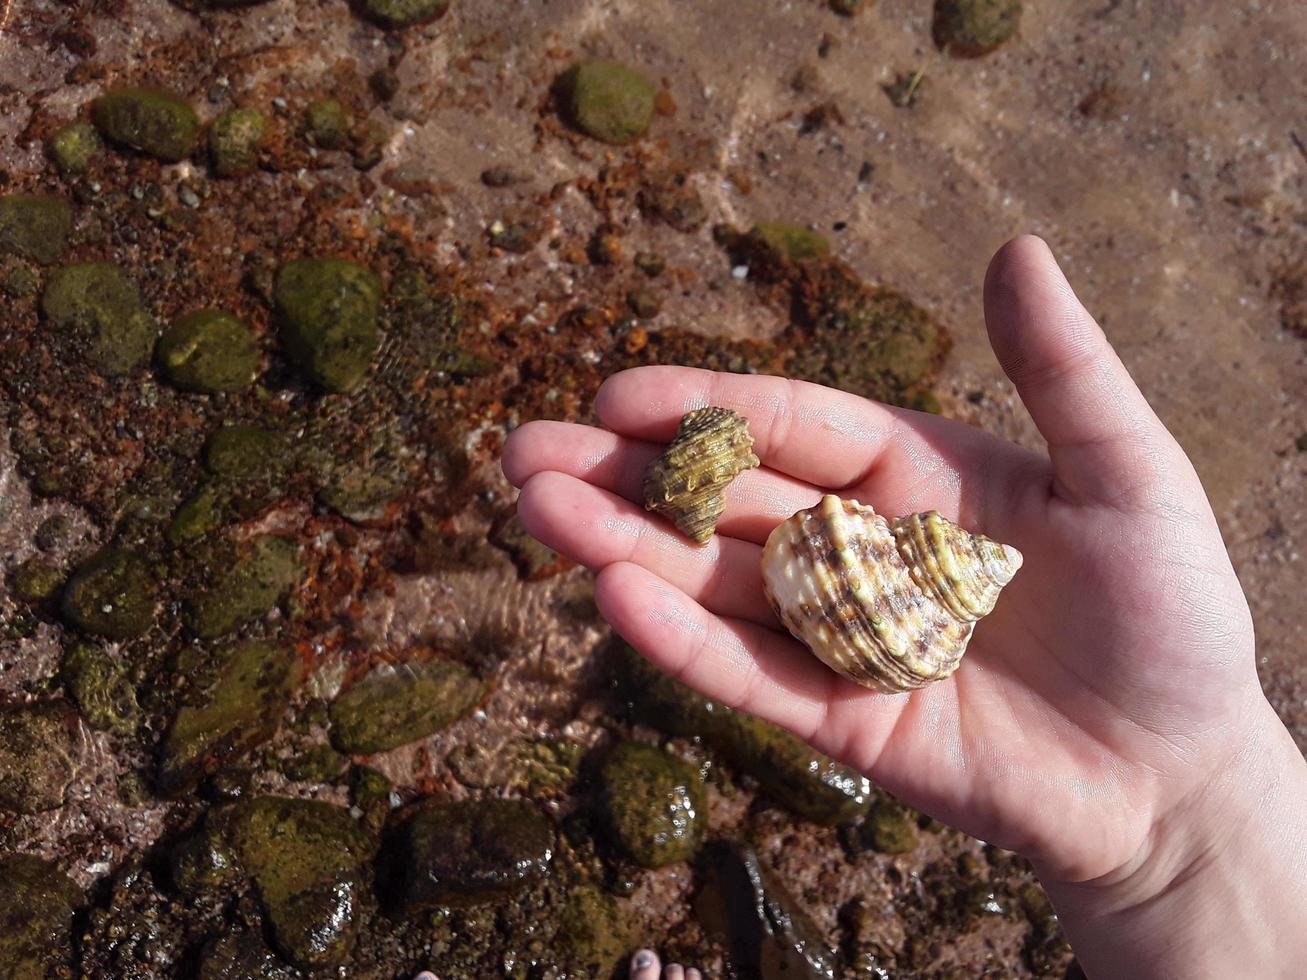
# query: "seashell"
889,604
685,483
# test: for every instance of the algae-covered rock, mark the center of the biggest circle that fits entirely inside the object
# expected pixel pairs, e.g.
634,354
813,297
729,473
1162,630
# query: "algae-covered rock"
74,147
37,902
152,121
316,764
793,242
309,863
38,751
242,452
328,310
112,595
209,351
607,100
238,710
394,706
36,580
793,773
35,226
890,827
101,686
402,13
327,124
971,28
263,570
100,310
530,765
243,956
200,513
652,804
471,851
234,141
594,932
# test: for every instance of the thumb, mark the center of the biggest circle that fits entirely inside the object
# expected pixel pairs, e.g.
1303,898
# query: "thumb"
1105,442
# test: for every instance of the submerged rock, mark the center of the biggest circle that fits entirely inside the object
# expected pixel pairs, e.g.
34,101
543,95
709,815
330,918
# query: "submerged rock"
200,513
243,956
239,709
112,595
890,827
308,861
767,934
152,121
100,310
392,707
402,13
262,572
209,351
327,124
328,310
971,28
607,100
36,580
471,851
652,804
797,776
35,226
37,902
234,141
789,241
244,452
594,932
38,752
101,686
74,147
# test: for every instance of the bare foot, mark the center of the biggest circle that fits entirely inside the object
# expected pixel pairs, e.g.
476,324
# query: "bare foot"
645,965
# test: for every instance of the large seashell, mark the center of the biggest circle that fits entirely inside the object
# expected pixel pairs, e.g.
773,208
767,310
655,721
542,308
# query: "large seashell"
685,483
888,604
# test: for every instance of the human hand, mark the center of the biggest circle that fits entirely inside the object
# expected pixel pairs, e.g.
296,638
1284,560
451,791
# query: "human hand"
1109,697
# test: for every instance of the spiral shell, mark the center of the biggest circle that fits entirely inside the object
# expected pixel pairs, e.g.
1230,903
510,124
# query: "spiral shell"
888,604
685,484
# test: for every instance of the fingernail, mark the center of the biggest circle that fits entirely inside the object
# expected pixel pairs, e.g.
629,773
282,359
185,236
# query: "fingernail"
643,958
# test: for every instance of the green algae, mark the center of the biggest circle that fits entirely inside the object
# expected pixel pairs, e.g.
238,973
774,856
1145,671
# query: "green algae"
971,28
74,147
327,124
523,765
245,452
239,710
37,902
38,751
890,827
392,707
652,804
36,580
199,514
789,241
401,13
234,141
328,310
35,226
607,101
101,686
98,307
594,930
471,851
209,351
112,595
316,764
152,121
368,787
261,573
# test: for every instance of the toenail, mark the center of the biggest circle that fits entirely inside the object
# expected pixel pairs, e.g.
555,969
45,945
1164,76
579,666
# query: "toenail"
643,959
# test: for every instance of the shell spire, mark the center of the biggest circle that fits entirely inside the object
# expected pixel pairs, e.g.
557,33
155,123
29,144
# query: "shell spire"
890,604
685,484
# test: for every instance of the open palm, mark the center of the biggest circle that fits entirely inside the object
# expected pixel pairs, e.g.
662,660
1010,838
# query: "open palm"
1114,676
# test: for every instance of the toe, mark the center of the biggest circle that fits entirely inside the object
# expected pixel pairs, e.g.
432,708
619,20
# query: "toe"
426,975
673,971
645,965
693,974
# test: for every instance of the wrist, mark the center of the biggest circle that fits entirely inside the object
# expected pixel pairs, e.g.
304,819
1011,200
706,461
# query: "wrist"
1218,887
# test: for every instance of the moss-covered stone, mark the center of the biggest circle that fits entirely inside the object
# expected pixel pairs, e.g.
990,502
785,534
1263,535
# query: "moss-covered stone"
262,572
152,121
112,595
208,351
244,452
316,764
201,512
890,827
37,902
652,804
35,226
36,580
308,861
607,100
328,310
523,765
98,307
327,124
794,774
971,28
239,710
793,242
392,707
16,278
234,141
368,787
594,931
101,686
471,851
359,491
38,751
74,147
401,13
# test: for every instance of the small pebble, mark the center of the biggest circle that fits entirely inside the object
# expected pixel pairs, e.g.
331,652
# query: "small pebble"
740,272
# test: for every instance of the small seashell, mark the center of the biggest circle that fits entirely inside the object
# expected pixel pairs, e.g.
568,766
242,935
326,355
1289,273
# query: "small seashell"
685,483
888,604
